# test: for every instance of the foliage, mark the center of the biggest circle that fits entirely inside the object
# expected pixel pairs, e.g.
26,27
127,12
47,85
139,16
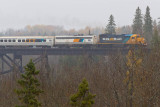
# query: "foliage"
83,98
107,77
148,25
155,39
29,87
155,26
50,30
133,64
159,25
137,22
110,28
124,30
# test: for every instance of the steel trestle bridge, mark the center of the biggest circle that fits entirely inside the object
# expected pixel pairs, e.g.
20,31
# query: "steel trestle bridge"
18,53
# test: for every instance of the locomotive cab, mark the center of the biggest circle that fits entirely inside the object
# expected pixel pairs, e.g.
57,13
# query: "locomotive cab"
136,39
141,40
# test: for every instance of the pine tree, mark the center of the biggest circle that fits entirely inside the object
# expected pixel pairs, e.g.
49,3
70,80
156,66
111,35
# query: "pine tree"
148,27
159,25
155,26
155,39
83,98
29,87
110,28
137,22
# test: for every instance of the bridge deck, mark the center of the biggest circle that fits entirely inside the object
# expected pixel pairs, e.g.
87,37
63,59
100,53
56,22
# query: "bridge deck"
65,51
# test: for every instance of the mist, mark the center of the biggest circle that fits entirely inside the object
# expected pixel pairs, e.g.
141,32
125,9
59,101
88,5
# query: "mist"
70,14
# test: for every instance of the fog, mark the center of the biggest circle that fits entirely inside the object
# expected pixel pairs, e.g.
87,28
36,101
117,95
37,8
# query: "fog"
71,13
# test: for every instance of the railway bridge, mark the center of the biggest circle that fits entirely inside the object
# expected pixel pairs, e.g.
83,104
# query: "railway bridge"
12,57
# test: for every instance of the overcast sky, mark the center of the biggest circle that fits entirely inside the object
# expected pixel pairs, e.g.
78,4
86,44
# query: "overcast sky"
71,13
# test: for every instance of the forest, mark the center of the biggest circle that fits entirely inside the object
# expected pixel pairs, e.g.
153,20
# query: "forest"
117,80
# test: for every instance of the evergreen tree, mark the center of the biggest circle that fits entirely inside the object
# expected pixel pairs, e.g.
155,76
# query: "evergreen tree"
148,27
155,25
29,87
110,28
137,22
83,98
155,39
159,25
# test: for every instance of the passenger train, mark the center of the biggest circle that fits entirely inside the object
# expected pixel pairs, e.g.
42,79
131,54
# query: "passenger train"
103,40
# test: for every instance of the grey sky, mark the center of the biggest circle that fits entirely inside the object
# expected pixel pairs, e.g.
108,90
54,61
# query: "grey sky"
71,13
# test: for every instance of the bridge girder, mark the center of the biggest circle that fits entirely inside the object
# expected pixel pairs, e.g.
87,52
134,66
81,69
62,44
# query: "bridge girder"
43,53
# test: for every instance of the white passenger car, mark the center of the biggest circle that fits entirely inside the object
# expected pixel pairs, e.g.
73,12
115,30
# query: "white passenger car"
75,40
36,41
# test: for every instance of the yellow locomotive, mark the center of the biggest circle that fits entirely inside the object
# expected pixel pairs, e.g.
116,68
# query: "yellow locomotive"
129,39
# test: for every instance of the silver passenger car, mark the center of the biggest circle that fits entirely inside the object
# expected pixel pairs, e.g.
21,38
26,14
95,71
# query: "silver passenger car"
37,41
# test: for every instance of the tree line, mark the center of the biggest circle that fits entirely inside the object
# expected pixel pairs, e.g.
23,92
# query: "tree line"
143,25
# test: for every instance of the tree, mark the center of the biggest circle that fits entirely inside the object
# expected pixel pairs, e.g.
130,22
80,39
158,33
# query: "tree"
29,87
159,25
137,22
110,28
155,26
155,39
148,27
83,98
133,64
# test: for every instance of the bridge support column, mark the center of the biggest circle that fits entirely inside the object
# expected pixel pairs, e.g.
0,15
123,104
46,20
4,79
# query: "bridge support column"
2,63
44,62
18,60
5,61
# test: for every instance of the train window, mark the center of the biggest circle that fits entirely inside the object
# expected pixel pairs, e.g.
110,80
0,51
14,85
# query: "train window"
38,40
5,40
133,37
14,40
9,40
74,37
19,40
105,39
119,38
43,40
1,40
27,40
23,40
31,40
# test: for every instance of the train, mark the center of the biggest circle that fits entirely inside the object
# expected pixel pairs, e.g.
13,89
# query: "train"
67,41
124,40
